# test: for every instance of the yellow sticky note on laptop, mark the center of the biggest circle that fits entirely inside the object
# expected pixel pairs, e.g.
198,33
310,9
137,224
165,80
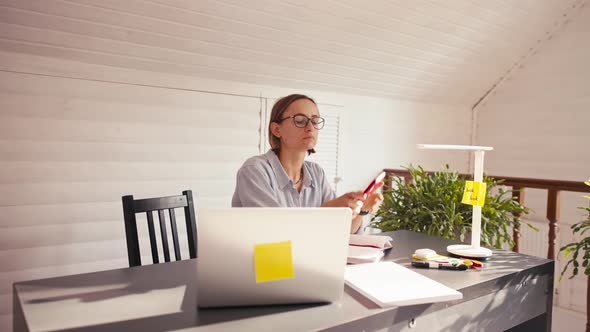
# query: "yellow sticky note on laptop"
273,261
474,193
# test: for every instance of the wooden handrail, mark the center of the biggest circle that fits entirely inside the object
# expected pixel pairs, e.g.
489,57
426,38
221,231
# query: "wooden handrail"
518,195
559,185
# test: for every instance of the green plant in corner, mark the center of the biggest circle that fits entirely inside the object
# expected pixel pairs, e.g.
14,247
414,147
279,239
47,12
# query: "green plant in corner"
432,205
577,247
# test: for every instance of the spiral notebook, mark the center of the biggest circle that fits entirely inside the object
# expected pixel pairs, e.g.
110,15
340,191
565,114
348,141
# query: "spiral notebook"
389,284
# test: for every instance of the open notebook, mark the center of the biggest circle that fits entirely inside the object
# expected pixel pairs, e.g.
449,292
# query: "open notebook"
390,284
367,248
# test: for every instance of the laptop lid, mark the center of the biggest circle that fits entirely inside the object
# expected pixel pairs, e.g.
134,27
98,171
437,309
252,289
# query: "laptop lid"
260,256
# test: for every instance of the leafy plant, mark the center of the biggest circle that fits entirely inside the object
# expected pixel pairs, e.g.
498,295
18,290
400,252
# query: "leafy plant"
581,246
432,205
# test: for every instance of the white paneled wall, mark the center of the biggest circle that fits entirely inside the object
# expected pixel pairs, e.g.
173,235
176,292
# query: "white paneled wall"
385,132
328,144
70,148
537,121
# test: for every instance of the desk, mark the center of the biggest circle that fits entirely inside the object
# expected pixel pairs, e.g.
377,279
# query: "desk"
513,290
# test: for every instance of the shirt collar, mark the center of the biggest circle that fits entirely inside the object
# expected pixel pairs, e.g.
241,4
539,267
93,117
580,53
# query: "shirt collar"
282,178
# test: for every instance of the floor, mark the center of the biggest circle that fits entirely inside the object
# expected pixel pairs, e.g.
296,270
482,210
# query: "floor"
566,320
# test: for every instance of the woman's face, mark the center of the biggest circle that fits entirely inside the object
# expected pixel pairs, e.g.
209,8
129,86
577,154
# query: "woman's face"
293,137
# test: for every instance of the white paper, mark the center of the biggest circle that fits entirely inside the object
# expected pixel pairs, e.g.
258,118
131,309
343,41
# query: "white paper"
390,284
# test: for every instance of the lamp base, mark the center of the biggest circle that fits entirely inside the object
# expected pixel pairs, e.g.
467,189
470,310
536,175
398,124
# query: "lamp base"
467,251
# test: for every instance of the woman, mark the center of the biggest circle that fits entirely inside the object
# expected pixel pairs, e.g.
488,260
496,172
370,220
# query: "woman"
282,178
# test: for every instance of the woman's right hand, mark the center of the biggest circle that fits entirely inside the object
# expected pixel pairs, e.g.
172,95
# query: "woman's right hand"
353,200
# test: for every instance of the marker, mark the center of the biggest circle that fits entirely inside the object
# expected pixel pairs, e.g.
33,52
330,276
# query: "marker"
441,266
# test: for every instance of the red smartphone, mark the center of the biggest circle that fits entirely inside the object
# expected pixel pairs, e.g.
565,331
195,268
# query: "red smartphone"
376,180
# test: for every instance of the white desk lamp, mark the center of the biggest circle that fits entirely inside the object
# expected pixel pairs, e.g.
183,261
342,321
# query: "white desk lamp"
466,250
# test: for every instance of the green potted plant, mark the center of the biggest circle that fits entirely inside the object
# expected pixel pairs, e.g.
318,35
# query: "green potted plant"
431,204
581,247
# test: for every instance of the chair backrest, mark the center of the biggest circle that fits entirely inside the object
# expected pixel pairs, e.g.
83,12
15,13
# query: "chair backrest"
133,206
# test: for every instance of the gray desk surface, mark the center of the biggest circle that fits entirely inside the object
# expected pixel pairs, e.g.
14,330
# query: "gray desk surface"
512,289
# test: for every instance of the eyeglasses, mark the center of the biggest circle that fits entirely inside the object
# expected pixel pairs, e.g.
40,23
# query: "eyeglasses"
301,121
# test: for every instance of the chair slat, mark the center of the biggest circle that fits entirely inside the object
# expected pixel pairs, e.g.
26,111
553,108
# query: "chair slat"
131,232
165,247
159,203
174,234
191,224
152,231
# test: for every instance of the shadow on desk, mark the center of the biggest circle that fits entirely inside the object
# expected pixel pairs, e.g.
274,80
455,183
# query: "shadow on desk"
109,286
115,284
181,320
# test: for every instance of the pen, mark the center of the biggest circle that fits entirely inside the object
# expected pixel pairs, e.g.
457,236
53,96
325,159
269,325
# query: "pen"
442,266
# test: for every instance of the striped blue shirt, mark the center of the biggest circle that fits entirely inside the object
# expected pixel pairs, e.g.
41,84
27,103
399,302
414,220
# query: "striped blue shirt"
263,182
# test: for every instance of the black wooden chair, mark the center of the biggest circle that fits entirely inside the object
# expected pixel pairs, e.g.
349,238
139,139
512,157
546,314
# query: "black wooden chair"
132,206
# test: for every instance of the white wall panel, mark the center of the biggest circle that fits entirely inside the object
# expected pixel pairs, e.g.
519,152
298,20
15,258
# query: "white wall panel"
72,147
329,145
537,121
385,132
31,172
111,152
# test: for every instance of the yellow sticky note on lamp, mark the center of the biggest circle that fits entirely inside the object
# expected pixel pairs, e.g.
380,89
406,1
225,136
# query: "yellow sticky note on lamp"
273,261
474,193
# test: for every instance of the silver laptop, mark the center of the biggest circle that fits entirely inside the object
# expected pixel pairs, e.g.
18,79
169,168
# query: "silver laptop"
260,256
